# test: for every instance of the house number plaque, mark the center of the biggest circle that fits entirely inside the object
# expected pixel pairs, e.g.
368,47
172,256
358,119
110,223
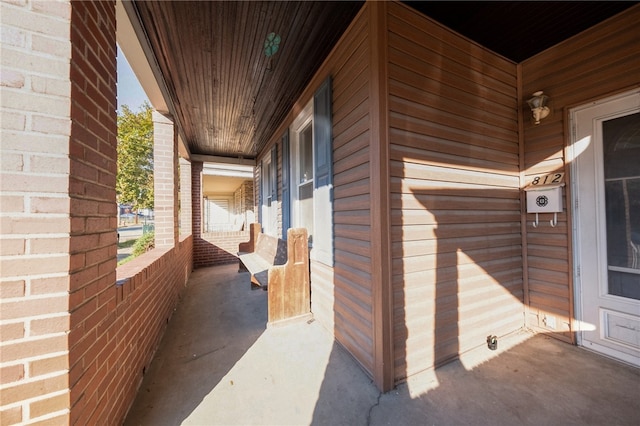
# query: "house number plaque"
548,179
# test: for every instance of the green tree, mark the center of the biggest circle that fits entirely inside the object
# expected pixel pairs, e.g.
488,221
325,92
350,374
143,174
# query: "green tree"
134,180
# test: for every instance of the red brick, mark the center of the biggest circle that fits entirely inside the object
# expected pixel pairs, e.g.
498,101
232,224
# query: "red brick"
77,262
80,386
89,406
97,224
84,171
99,192
108,177
79,314
96,318
82,207
82,139
107,268
78,226
84,277
76,187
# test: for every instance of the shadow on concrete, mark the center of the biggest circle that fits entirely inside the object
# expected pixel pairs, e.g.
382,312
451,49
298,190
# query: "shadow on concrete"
216,323
535,380
531,380
219,365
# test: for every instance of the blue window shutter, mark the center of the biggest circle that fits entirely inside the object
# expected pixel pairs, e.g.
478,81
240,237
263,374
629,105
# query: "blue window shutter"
323,176
274,174
260,195
286,182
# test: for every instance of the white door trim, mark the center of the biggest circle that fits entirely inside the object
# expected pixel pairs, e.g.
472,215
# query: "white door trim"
624,104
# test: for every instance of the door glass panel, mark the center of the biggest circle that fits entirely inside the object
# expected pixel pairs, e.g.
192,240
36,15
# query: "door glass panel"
621,146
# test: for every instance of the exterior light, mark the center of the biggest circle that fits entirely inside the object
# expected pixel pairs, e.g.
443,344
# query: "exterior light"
538,105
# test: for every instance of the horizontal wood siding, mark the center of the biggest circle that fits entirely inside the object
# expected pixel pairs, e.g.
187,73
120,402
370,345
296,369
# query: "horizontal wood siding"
341,296
351,286
454,165
594,64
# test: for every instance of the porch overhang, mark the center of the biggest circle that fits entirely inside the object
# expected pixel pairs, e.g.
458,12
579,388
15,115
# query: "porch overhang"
204,63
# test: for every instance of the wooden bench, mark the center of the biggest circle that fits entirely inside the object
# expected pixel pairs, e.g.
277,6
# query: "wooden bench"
282,268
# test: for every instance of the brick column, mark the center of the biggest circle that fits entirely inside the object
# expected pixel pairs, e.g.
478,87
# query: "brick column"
165,172
58,206
35,206
93,245
185,197
196,199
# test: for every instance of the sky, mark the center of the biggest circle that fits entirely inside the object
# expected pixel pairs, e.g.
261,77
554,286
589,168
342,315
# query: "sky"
130,92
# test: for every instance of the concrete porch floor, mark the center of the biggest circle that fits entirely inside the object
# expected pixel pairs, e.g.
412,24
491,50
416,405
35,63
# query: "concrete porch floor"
218,364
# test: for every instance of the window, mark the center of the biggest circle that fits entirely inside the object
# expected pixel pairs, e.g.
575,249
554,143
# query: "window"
269,193
302,171
312,174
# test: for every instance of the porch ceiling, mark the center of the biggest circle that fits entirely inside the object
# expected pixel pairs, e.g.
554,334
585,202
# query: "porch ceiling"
228,97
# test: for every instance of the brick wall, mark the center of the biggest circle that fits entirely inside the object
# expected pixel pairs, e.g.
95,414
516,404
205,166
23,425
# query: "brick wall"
196,198
214,248
217,248
149,288
93,206
35,209
244,206
74,344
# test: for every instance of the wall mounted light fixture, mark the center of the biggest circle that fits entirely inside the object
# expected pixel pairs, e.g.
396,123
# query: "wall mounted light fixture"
538,105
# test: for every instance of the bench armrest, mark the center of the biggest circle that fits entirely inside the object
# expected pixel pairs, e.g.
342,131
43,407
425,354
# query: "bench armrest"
289,290
250,246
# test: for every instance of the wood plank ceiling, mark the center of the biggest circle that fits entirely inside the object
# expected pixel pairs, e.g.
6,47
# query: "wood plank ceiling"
229,97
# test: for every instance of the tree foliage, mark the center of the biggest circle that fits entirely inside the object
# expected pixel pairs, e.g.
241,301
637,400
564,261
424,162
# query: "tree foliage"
134,180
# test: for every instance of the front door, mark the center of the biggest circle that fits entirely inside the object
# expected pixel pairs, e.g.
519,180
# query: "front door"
606,199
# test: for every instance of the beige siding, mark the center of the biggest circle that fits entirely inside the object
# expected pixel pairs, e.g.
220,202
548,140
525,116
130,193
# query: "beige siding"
351,287
454,164
341,296
599,62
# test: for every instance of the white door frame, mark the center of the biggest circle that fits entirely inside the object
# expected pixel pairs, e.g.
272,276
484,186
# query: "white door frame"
624,104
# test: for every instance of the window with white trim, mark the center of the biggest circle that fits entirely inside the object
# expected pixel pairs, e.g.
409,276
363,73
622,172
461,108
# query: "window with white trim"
269,194
311,165
302,171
